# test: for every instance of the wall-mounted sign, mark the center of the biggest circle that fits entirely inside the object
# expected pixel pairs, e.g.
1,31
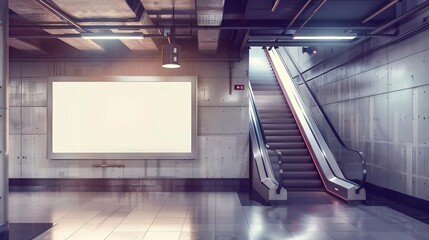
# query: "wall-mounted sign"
239,87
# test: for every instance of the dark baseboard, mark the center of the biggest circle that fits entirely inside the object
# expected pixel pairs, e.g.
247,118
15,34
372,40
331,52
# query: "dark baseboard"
129,185
405,199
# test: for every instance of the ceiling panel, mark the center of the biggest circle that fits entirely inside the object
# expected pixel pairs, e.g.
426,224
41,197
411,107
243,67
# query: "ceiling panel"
34,12
156,5
84,9
21,45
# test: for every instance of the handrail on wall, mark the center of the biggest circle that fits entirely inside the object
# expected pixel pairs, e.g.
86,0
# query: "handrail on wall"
331,126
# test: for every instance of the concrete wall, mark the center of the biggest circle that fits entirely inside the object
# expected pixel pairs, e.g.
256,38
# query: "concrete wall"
222,121
379,105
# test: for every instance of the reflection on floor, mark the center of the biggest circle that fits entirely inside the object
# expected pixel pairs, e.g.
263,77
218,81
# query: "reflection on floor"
205,216
24,231
377,200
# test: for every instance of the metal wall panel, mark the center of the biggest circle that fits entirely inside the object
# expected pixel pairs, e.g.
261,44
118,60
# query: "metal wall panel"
421,161
15,69
167,169
184,168
34,161
15,92
36,69
381,117
215,92
114,172
422,184
408,72
421,115
15,158
401,117
223,120
209,154
372,82
362,114
34,92
15,124
235,157
84,169
34,120
397,167
134,169
409,47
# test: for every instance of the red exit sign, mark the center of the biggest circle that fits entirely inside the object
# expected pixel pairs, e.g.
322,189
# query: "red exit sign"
239,87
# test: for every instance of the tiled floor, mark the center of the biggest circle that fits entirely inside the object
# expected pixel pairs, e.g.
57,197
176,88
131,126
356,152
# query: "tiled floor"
205,216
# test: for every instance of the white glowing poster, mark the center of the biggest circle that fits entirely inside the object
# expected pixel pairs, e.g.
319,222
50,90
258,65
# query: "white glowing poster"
122,118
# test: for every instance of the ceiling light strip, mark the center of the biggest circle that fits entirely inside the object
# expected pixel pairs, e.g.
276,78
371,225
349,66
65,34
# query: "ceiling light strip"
324,37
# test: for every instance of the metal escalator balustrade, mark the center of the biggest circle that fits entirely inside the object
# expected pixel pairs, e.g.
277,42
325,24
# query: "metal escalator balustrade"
298,172
351,161
318,134
275,161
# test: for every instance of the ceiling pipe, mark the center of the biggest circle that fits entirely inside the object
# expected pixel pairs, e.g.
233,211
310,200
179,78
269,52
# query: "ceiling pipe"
297,16
382,9
275,6
312,15
136,27
59,13
46,36
401,18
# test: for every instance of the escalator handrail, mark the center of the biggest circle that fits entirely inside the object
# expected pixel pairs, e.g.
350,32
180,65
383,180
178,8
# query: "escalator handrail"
278,153
331,126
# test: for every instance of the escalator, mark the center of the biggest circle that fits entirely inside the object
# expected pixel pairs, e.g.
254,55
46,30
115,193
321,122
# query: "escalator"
281,130
295,147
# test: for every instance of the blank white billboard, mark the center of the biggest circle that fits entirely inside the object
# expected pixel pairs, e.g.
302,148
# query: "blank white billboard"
122,119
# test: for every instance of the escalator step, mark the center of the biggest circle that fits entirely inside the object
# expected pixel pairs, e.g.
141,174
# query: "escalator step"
270,93
262,110
264,83
288,145
294,152
297,159
265,88
289,121
282,133
271,105
298,167
272,139
303,184
269,97
300,175
274,126
275,115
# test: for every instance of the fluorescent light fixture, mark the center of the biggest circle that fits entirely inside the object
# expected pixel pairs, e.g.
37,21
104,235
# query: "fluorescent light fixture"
333,37
111,36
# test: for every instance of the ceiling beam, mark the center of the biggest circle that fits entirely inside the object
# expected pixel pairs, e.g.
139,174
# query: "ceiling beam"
226,24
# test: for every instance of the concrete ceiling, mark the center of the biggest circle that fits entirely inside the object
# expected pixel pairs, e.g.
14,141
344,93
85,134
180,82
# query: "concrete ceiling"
203,25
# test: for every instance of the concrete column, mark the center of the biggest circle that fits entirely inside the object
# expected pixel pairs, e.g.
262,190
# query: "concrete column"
4,112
